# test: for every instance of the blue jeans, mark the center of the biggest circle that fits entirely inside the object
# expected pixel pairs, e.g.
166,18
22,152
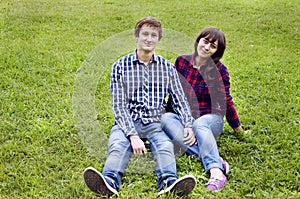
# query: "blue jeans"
207,129
120,150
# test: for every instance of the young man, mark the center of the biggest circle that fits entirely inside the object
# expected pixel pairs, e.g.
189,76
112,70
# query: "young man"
139,84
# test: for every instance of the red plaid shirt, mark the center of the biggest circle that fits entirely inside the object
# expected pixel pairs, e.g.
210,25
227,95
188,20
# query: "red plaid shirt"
207,96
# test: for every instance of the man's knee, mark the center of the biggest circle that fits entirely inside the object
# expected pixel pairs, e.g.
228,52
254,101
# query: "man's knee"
119,146
166,116
166,147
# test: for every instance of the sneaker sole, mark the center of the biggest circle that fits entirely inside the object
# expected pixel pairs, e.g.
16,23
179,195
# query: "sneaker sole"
226,167
181,187
97,183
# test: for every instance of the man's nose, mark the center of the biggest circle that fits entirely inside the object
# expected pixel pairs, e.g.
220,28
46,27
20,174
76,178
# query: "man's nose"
149,38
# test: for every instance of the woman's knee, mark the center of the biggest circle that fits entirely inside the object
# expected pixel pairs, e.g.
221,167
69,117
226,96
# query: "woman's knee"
208,124
201,123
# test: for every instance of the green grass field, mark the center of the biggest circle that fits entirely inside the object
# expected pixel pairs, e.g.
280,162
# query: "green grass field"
53,103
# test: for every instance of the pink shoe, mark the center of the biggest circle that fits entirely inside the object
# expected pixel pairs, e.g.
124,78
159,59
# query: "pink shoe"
225,166
215,184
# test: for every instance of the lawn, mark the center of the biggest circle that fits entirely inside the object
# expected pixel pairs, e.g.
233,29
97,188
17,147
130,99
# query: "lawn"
55,102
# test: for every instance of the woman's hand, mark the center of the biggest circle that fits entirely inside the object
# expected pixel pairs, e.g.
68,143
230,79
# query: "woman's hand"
238,129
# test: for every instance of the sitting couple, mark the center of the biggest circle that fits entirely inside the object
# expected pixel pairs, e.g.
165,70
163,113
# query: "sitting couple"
140,83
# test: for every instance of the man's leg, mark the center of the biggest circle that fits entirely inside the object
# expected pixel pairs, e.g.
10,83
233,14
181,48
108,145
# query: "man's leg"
119,151
162,149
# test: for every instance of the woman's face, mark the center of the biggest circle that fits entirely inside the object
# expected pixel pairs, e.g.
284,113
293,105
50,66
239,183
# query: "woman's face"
206,48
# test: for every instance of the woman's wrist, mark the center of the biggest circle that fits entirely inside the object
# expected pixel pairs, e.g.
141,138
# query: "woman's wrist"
238,129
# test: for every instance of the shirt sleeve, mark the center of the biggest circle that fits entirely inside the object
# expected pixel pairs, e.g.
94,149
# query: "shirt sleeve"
180,103
119,101
231,113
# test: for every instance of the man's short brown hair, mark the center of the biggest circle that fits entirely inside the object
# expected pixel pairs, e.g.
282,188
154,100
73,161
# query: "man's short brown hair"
150,21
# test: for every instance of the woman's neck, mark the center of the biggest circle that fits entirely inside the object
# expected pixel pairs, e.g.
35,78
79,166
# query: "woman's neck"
199,61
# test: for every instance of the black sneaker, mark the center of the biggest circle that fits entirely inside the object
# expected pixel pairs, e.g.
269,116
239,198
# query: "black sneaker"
181,187
97,183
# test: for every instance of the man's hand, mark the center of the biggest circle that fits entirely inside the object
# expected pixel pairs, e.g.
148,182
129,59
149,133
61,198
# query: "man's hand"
137,145
189,136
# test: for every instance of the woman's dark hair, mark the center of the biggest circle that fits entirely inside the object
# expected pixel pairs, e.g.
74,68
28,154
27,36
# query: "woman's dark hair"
150,21
213,34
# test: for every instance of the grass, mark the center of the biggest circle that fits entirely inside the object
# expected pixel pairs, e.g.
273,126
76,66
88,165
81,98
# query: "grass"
46,50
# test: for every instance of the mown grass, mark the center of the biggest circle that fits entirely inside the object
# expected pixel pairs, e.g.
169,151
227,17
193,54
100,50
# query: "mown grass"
43,44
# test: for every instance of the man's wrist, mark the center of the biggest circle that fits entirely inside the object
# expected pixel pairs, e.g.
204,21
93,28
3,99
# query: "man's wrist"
188,125
133,137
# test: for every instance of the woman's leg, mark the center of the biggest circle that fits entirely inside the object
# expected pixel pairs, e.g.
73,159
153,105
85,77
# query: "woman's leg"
207,129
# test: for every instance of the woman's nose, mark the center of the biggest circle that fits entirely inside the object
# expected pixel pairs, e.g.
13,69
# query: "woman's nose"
207,46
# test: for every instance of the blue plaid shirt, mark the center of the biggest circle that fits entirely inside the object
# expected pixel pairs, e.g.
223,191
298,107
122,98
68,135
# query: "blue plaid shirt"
138,91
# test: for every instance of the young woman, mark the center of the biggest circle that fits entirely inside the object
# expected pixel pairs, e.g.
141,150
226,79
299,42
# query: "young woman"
205,81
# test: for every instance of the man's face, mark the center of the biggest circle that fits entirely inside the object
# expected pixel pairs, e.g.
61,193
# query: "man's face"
148,38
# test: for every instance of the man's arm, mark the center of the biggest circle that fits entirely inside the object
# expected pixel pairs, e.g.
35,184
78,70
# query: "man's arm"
119,101
121,112
181,105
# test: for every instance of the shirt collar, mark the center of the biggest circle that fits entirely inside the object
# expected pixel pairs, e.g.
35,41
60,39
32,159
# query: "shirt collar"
192,61
154,57
135,57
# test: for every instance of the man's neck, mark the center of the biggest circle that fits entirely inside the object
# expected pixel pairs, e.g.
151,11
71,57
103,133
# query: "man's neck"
144,57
